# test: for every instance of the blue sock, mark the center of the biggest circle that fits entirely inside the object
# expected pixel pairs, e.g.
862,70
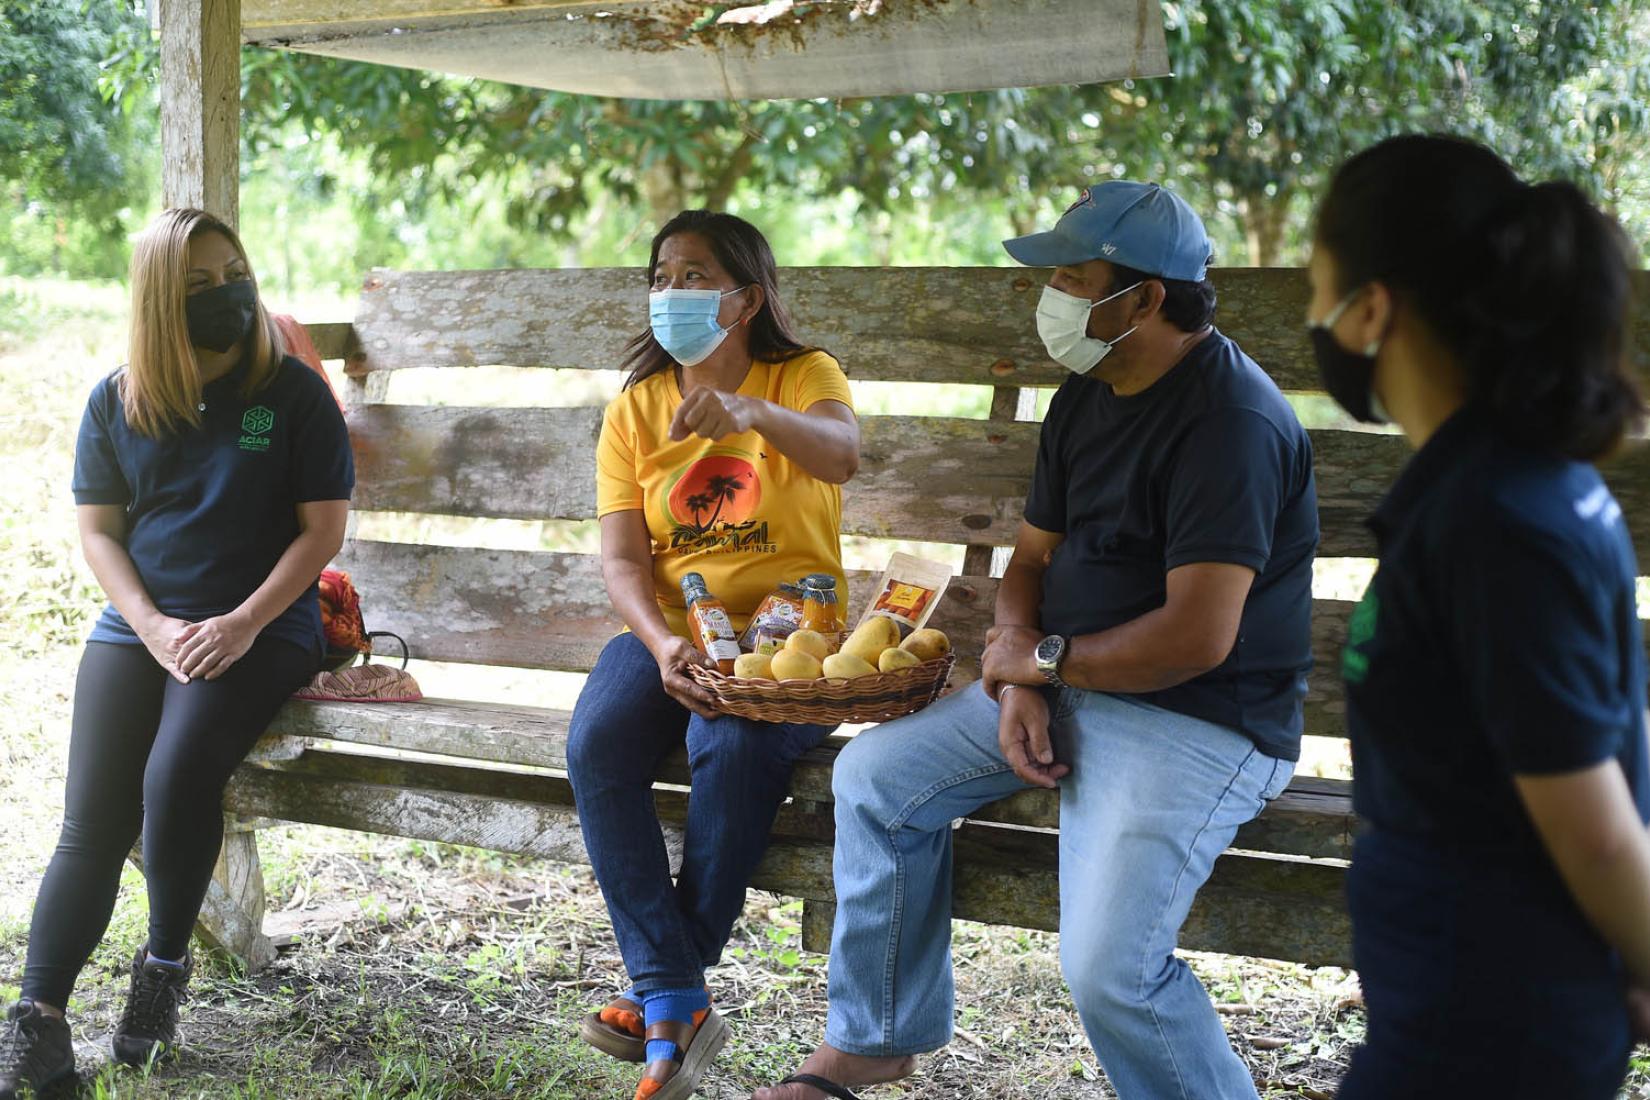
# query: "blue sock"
670,1004
151,957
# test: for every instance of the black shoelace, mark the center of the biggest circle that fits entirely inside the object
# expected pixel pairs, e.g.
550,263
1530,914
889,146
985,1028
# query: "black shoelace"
17,1042
153,1003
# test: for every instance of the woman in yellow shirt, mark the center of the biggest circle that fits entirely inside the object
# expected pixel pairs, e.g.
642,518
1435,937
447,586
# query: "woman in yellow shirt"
724,456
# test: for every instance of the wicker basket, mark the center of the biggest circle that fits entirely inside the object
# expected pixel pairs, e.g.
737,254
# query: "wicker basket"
879,698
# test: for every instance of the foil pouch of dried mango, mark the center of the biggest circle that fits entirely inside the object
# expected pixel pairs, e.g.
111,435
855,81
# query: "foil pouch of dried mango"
909,591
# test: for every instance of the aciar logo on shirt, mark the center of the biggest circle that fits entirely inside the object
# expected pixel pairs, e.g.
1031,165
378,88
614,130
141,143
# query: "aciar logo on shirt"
1360,631
255,427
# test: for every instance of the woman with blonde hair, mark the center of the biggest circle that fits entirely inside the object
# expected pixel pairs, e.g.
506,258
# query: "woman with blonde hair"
212,478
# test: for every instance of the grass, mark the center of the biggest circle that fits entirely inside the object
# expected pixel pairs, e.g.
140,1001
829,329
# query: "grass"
468,971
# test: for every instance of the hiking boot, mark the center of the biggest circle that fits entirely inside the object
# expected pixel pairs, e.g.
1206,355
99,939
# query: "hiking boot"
36,1051
148,1029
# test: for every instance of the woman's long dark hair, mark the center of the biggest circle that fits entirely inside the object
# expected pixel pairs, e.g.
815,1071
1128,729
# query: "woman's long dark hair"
743,253
1528,286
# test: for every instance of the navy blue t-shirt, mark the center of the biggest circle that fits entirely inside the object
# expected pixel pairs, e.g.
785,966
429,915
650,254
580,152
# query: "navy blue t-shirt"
1499,637
210,510
1208,464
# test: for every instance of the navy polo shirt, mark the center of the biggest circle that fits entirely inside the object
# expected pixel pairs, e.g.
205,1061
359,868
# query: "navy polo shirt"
210,510
1499,637
1208,464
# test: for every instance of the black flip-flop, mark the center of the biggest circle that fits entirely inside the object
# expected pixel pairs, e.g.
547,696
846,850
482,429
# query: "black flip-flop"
829,1088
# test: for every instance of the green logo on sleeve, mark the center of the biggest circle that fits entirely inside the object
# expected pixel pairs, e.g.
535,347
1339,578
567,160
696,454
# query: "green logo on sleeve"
1360,631
255,426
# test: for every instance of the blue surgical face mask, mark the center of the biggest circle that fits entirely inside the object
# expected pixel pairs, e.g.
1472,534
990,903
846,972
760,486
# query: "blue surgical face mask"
685,322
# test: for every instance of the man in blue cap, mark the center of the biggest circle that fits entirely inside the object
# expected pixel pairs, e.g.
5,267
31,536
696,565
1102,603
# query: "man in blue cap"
1149,661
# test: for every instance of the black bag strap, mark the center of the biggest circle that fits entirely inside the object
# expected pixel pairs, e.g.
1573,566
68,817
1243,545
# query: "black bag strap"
372,649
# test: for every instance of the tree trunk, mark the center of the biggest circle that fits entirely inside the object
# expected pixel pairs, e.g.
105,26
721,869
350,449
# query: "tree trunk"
1264,218
662,187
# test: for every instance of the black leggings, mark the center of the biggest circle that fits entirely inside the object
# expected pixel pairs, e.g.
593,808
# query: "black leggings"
147,753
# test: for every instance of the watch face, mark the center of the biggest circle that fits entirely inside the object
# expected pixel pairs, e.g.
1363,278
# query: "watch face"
1050,649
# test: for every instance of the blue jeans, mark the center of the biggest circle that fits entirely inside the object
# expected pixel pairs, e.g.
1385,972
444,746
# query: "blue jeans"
1153,797
623,726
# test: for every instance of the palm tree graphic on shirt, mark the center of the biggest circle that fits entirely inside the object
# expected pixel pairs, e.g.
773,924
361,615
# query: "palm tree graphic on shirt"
721,488
716,497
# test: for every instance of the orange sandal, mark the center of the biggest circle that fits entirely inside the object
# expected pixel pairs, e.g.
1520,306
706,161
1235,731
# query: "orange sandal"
707,1041
616,1030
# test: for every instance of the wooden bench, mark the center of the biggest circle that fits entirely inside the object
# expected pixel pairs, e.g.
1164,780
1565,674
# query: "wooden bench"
491,774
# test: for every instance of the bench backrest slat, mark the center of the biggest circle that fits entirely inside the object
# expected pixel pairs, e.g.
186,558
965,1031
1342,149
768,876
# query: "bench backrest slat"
927,479
958,324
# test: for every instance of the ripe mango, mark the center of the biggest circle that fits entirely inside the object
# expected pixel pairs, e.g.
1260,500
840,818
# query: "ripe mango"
928,644
811,642
845,666
794,664
895,659
753,666
872,637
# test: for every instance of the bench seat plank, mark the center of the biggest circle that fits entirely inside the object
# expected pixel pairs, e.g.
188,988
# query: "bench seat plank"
1252,905
1313,818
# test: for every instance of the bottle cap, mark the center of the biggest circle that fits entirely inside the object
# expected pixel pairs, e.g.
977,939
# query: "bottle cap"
822,581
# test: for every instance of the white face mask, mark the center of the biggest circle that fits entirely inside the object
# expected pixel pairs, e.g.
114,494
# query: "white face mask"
1063,323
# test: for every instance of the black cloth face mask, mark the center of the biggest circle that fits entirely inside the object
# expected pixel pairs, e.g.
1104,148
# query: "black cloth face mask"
220,317
1347,376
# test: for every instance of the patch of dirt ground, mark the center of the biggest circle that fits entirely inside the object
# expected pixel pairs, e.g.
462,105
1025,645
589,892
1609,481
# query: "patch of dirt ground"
464,974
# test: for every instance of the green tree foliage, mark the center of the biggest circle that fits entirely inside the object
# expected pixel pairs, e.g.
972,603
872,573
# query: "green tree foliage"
72,142
1267,96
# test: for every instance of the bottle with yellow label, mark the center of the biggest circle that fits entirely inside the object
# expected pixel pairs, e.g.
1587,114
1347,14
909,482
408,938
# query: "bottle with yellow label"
712,629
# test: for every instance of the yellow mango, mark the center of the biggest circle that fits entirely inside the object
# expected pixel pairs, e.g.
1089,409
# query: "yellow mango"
895,659
845,666
811,642
794,664
928,644
753,666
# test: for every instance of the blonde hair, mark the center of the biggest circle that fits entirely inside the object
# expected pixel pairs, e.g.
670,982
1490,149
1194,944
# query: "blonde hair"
161,385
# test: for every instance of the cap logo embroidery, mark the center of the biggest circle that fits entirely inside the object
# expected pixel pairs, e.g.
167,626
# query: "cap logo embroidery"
1107,249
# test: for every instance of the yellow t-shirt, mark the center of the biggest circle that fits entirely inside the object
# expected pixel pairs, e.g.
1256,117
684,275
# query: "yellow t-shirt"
735,510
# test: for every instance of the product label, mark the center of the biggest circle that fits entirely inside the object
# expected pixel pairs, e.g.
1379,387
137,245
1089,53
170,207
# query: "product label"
778,618
716,634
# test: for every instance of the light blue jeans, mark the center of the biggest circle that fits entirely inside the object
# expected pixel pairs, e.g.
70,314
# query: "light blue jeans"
1153,797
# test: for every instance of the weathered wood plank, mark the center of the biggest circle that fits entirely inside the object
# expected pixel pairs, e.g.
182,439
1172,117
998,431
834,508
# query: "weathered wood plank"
930,479
332,339
660,51
922,324
543,610
971,325
256,14
1313,818
1252,906
200,105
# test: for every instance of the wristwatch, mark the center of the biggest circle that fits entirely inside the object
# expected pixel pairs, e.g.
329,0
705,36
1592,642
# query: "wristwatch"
1050,652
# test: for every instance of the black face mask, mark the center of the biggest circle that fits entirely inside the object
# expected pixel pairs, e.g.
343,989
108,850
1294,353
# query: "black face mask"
1347,376
219,318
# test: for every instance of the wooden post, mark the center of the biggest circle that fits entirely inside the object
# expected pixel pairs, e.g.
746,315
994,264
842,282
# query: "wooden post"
1007,403
200,105
200,129
817,918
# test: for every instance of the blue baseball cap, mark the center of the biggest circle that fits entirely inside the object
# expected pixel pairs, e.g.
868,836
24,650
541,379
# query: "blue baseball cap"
1138,225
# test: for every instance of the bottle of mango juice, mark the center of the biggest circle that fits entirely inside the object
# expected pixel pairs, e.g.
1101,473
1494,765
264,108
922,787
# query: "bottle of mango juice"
712,629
